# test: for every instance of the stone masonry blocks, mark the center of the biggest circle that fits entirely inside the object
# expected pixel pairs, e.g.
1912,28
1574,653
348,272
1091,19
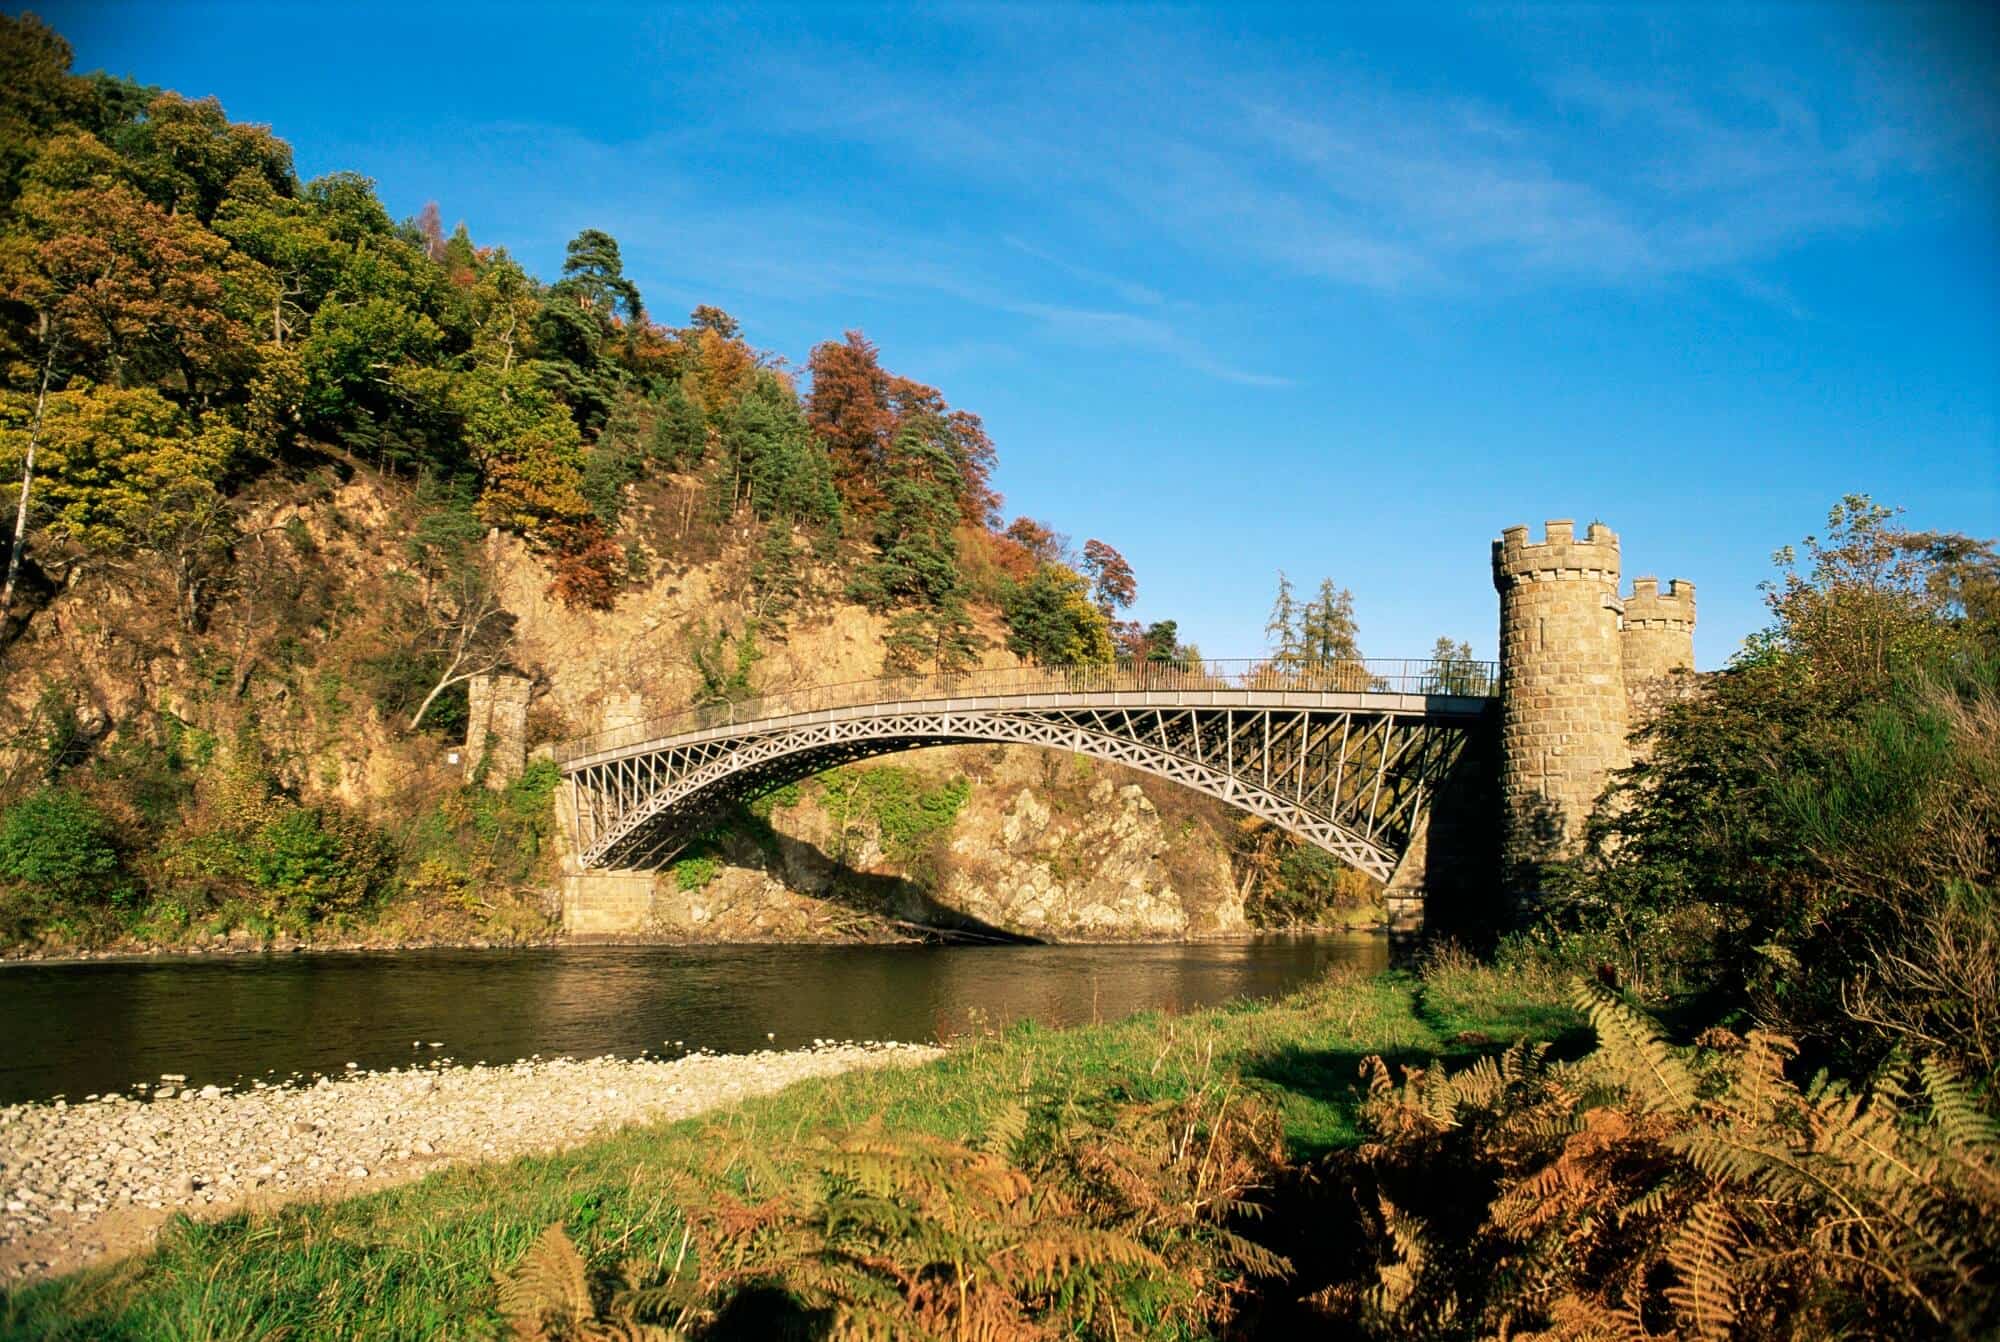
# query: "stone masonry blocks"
1659,631
496,728
1562,688
1579,668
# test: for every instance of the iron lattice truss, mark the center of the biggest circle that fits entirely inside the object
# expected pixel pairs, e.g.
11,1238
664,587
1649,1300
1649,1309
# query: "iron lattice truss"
1352,774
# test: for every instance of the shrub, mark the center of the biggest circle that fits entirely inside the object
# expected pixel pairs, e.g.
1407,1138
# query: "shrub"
317,859
910,817
57,842
1051,1223
589,567
694,873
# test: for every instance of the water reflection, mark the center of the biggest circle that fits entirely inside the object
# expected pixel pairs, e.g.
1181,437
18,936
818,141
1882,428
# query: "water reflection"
75,1029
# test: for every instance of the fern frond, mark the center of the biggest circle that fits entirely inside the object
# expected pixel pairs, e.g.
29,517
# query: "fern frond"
1006,1131
547,1293
1703,1254
1630,1045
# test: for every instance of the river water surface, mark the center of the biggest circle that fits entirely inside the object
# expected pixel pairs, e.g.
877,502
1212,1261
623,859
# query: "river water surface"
75,1029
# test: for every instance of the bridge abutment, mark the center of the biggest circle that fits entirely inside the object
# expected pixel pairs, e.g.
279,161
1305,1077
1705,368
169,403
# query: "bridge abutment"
607,903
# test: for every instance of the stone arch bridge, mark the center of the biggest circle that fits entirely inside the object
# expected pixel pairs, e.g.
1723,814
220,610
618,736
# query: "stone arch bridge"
1346,755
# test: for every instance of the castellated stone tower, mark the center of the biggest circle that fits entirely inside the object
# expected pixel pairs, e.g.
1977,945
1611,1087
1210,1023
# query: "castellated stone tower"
1562,688
1658,640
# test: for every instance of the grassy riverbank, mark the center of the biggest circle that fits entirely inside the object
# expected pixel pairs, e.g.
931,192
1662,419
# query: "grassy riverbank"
418,1261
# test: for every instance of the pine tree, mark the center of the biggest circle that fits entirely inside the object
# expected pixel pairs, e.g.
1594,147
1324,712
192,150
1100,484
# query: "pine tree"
1327,632
1281,627
915,572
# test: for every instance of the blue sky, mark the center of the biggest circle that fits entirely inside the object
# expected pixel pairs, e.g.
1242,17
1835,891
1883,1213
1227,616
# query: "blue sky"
1342,292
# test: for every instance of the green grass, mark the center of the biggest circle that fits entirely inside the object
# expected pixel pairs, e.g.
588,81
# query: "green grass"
417,1261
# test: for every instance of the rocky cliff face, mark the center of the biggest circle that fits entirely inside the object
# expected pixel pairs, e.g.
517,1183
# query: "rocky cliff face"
1038,845
1043,848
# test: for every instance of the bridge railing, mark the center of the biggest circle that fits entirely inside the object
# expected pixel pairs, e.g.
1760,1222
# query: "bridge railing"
1425,675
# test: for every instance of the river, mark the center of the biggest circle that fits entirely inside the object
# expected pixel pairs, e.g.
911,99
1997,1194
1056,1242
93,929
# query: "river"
78,1029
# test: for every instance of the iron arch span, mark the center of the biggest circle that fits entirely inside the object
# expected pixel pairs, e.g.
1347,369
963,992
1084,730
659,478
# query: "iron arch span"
1351,770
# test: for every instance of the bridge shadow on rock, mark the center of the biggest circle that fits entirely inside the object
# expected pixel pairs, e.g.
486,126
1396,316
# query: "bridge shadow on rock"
883,897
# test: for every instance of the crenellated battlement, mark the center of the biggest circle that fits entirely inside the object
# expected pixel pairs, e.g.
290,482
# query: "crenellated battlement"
1648,607
1559,556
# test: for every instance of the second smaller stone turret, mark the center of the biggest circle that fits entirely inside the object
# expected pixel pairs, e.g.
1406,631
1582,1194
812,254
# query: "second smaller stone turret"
1657,637
1655,641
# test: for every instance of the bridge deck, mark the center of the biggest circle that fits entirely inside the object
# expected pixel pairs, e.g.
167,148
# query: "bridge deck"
1446,688
1389,703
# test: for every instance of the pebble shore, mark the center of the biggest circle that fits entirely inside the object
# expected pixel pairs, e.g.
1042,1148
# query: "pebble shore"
84,1180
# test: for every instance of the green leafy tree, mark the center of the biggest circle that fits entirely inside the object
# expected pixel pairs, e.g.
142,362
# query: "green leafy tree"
1872,600
1052,620
679,436
526,446
1281,627
1813,829
313,860
41,94
190,157
116,470
594,274
1327,633
1161,642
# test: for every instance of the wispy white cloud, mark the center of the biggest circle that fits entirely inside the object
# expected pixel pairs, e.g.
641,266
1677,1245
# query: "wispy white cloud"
1331,173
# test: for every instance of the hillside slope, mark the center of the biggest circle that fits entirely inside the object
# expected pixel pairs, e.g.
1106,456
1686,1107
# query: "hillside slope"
293,476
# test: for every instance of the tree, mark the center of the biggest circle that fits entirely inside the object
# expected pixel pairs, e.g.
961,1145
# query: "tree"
859,408
774,463
1453,671
41,94
1051,619
1111,582
34,437
190,157
114,464
430,224
706,318
589,567
915,571
503,305
1161,642
1045,544
1281,627
849,407
594,274
56,841
1327,633
353,356
679,437
527,447
305,261
466,630
137,294
1874,599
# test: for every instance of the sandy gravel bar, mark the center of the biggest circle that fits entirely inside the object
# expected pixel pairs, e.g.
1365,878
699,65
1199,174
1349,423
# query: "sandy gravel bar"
79,1181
